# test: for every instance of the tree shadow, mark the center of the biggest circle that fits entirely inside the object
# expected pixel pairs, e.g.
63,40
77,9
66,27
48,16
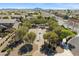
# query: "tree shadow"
70,46
48,49
25,48
12,45
15,43
67,46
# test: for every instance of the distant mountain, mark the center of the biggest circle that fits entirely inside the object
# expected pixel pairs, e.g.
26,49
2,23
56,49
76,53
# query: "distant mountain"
37,9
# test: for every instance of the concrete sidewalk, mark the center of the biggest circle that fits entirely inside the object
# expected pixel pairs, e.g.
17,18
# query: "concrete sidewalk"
65,53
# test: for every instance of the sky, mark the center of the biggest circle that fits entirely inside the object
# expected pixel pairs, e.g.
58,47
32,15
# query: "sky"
40,5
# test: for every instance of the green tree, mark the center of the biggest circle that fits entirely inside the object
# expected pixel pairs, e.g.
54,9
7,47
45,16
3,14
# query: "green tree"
52,25
58,30
26,24
30,37
6,17
21,32
51,37
66,17
65,33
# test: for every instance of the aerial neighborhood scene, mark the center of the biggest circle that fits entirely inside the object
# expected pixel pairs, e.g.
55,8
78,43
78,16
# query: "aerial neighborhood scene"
39,29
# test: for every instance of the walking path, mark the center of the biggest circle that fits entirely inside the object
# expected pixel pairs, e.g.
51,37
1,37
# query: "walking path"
65,53
39,41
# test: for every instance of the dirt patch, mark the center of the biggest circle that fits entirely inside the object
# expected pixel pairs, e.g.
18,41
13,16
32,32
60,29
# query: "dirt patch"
59,50
35,48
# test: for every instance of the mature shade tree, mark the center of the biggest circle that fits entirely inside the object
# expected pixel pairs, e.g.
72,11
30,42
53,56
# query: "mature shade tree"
65,33
26,24
58,30
49,47
52,25
66,17
30,37
21,32
68,12
38,20
51,37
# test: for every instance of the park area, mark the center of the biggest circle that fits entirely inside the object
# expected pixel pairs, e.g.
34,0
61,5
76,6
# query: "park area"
38,36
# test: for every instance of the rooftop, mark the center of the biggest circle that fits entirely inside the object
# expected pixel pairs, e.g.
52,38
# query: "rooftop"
7,20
